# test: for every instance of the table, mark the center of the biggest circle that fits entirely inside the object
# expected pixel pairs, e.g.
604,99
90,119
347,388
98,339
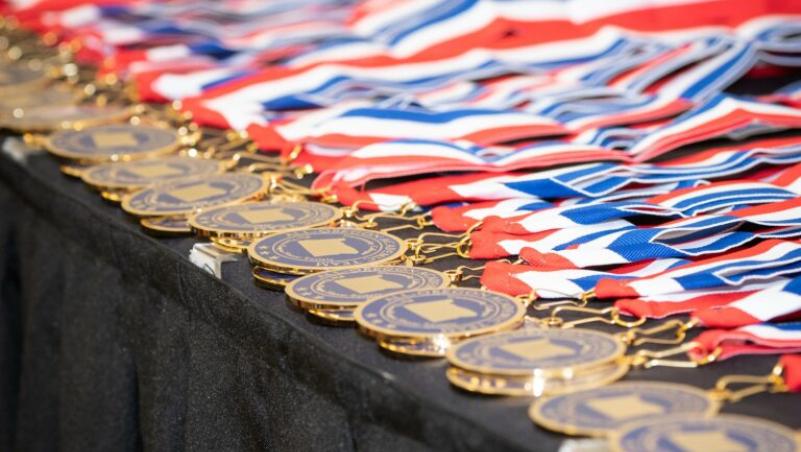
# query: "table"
111,339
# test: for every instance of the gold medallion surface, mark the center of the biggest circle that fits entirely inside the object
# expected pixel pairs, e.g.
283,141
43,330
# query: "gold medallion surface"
17,78
116,142
185,196
602,410
141,173
63,117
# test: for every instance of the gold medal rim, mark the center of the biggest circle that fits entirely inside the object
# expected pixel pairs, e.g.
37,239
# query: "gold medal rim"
617,435
618,371
112,196
113,158
516,320
306,270
618,354
211,232
107,185
73,170
268,282
229,245
329,315
25,124
536,416
125,204
310,303
147,223
397,344
72,98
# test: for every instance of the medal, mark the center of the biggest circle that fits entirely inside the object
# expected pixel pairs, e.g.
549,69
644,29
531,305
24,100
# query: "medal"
426,322
604,410
312,250
593,181
52,96
116,178
234,226
417,157
600,411
18,78
114,142
266,278
184,196
334,294
51,118
536,361
173,225
694,433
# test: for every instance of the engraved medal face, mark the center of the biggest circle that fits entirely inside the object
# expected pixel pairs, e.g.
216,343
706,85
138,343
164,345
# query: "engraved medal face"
599,411
50,118
348,288
142,173
187,195
698,434
312,250
259,218
115,142
16,78
439,313
553,352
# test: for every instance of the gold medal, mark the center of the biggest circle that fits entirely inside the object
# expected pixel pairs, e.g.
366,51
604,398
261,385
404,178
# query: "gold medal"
537,361
115,142
271,280
166,206
17,78
117,178
695,433
314,250
20,101
170,225
63,117
233,227
334,294
601,411
427,322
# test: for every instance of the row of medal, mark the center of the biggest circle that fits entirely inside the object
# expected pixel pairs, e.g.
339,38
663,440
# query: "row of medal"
339,267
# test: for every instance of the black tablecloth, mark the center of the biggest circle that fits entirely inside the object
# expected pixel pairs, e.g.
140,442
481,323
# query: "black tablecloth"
112,340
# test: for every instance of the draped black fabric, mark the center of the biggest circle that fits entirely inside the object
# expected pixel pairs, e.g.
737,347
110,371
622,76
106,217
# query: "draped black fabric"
112,340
